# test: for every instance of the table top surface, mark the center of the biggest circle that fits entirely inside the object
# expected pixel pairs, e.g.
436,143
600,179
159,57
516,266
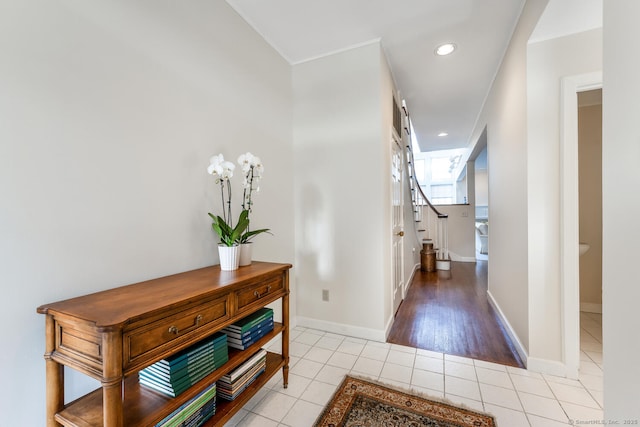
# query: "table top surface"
113,307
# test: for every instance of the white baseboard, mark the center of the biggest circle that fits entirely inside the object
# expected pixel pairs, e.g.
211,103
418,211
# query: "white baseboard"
550,367
457,258
591,307
522,352
387,330
407,283
342,329
534,364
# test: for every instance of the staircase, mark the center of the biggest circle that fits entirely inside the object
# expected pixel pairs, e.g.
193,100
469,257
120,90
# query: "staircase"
431,225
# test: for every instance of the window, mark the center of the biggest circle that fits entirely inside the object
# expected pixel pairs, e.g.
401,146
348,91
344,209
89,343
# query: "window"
419,169
442,176
442,194
440,169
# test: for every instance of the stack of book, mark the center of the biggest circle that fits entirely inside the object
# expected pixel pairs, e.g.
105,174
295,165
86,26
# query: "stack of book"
247,331
177,373
195,412
234,383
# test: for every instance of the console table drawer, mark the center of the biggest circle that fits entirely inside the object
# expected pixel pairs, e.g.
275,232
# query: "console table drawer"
265,290
146,341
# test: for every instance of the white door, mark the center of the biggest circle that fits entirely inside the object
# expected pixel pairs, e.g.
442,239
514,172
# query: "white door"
397,227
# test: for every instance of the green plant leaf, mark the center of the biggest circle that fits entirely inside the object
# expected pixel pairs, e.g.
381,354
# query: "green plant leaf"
222,229
243,223
251,234
228,235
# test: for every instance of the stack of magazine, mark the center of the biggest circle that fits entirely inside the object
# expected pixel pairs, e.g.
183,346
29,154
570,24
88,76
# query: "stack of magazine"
195,412
175,374
234,383
250,329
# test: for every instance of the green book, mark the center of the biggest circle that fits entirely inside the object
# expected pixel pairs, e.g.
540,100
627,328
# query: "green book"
178,369
219,357
190,371
183,356
162,377
183,412
251,320
174,388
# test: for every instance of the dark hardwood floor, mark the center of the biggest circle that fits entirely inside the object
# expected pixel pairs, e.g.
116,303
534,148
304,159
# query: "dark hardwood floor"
453,316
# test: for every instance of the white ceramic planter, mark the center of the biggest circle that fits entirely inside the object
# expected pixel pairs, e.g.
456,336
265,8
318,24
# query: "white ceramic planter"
229,257
245,253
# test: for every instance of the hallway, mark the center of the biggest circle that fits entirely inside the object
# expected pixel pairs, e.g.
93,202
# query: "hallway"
453,316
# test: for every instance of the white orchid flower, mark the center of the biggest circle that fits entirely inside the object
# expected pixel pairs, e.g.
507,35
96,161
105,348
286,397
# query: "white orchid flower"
217,159
258,169
220,168
214,164
227,170
246,161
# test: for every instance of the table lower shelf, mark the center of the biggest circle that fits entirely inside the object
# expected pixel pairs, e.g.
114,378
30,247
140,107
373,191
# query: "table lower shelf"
145,407
226,409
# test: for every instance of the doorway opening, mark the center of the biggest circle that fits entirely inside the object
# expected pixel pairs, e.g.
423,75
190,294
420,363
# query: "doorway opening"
590,229
479,191
570,218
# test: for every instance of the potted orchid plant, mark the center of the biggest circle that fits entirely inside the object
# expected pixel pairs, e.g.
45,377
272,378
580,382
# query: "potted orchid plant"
235,241
228,248
253,169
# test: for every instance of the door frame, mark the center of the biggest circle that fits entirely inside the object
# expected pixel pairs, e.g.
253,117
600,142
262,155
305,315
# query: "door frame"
569,216
397,231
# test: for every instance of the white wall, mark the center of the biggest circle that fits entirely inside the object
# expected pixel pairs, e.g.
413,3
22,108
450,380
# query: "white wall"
482,187
621,151
547,63
504,115
461,226
108,115
341,186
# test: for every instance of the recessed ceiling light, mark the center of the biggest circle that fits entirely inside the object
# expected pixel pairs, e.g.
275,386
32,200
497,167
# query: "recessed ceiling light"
445,49
443,134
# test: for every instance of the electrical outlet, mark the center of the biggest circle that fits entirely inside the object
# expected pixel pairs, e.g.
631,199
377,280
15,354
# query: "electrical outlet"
325,295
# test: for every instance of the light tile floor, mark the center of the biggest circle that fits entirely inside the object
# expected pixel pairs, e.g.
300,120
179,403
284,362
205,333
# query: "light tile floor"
516,397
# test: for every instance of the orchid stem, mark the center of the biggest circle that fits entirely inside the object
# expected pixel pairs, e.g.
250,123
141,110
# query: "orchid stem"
224,213
229,203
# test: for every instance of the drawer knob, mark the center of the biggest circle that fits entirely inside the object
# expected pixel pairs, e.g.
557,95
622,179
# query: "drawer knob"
259,295
196,322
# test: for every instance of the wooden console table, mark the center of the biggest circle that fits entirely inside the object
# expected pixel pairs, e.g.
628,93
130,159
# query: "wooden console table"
113,334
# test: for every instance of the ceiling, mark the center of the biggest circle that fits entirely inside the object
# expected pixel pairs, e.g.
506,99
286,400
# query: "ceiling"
443,94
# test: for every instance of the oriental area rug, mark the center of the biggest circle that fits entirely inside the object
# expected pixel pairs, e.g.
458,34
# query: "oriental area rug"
359,402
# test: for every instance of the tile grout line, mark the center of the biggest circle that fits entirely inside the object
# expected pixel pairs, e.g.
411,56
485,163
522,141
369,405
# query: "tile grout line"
524,411
544,378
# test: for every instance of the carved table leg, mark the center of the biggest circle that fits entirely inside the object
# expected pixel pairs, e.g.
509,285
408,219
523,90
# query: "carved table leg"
285,333
54,374
112,380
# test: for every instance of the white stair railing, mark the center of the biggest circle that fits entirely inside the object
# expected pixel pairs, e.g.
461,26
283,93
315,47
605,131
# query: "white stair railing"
431,224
